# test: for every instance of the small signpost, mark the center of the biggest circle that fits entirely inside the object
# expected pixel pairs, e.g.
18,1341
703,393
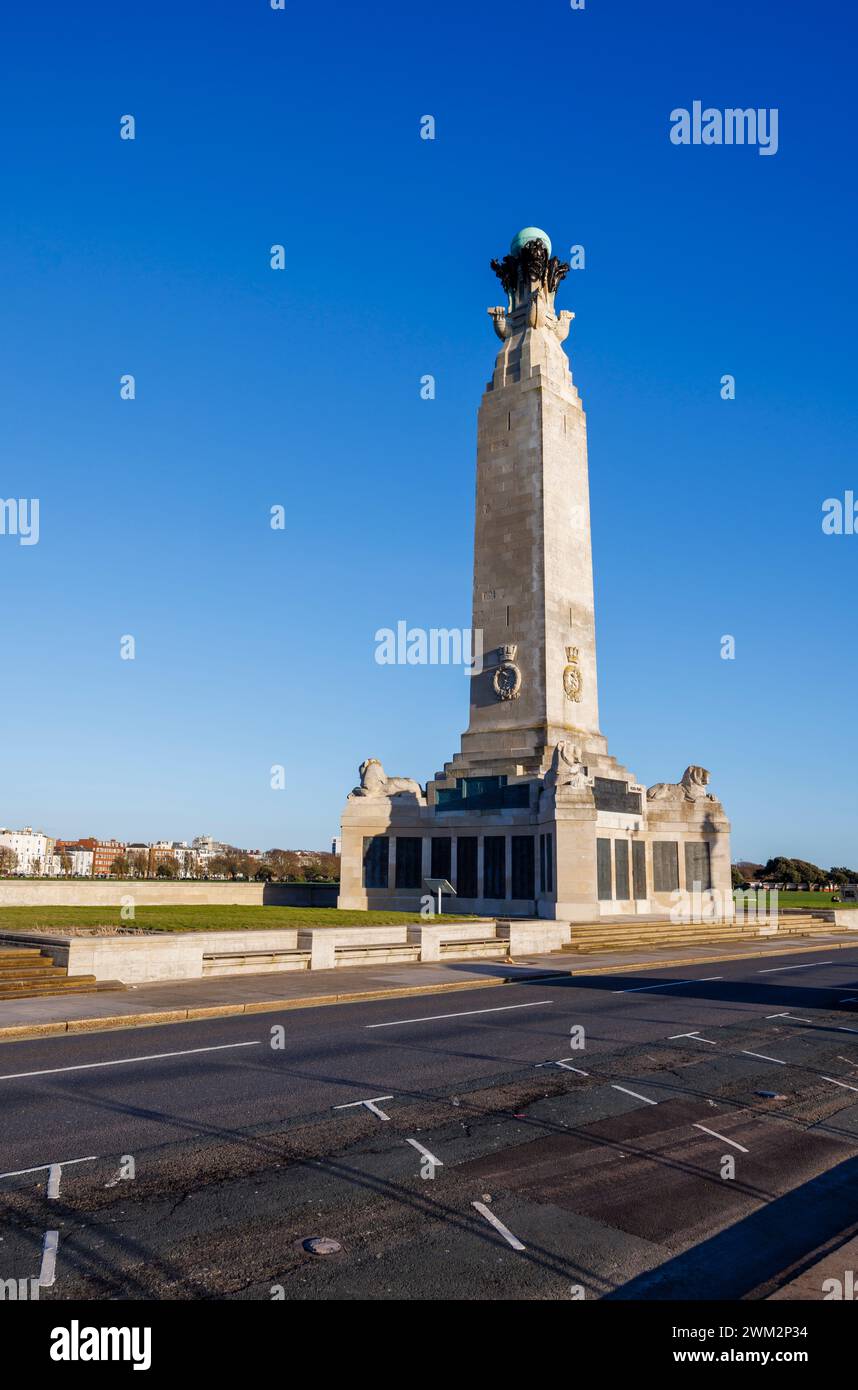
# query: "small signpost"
439,886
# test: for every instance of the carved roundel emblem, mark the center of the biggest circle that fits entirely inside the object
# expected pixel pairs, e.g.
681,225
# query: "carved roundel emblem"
573,681
506,681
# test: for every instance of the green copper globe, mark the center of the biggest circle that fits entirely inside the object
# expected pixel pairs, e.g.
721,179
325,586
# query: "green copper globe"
529,234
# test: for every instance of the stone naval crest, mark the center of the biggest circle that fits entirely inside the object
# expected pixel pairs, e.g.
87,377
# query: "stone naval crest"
573,681
506,681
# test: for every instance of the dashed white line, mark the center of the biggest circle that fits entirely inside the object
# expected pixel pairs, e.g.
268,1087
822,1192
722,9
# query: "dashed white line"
467,1013
40,1168
722,1137
370,1105
125,1061
425,1152
695,1035
835,1082
54,1174
669,984
795,1018
636,1095
762,1058
499,1226
778,969
47,1272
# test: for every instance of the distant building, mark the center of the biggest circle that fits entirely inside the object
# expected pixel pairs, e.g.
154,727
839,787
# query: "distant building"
336,844
848,892
79,858
32,847
103,854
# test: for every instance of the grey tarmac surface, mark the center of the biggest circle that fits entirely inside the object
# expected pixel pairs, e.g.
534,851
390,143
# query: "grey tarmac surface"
612,1176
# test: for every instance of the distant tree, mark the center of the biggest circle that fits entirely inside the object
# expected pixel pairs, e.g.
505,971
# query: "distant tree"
841,875
65,862
168,867
120,867
8,860
327,866
737,878
781,870
139,863
810,873
219,866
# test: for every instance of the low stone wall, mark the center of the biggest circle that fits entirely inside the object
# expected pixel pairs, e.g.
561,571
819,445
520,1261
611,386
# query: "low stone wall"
848,918
165,956
154,892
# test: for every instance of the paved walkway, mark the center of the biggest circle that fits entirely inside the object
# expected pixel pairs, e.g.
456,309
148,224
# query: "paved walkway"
237,994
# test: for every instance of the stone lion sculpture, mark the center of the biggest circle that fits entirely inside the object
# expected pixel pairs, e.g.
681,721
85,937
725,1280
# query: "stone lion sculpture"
692,787
374,782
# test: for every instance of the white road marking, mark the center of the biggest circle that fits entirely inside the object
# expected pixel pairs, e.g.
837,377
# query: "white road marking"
722,1137
841,1029
636,1095
762,1058
370,1105
695,1035
853,999
668,984
468,1013
47,1272
795,1018
63,1163
777,969
54,1174
499,1226
835,1082
564,1063
425,1152
125,1061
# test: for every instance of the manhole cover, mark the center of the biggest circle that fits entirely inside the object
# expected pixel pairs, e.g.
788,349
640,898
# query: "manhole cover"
322,1245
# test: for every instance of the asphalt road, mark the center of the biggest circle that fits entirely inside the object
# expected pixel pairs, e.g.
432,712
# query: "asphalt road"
623,1136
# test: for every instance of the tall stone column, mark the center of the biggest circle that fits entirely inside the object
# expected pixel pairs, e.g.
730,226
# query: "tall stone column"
533,568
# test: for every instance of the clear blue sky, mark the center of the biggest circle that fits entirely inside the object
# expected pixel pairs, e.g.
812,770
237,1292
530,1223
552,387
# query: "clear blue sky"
256,387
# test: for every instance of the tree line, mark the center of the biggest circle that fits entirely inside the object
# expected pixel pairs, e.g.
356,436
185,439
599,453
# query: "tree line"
789,872
276,865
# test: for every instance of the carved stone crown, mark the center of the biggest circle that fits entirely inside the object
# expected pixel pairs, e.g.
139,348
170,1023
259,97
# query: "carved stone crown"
508,652
572,654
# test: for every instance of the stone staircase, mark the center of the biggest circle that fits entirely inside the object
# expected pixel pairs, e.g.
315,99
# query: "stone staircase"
26,973
628,934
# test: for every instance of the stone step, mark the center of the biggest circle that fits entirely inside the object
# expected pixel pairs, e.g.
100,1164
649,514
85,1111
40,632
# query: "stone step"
20,967
64,984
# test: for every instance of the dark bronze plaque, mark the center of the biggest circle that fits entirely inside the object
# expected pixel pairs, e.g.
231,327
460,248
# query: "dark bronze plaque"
611,794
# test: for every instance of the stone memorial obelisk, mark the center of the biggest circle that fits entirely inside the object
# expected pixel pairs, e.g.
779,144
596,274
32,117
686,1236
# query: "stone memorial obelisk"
533,817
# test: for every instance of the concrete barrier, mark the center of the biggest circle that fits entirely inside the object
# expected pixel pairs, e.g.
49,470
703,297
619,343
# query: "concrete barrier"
848,918
534,937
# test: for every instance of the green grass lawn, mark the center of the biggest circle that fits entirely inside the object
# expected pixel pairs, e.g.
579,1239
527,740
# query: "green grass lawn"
807,900
219,918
